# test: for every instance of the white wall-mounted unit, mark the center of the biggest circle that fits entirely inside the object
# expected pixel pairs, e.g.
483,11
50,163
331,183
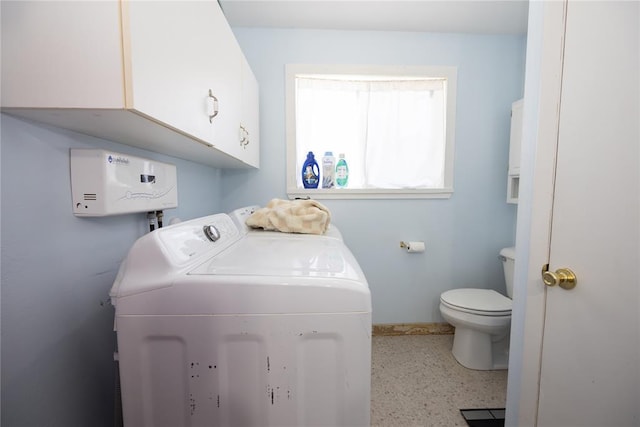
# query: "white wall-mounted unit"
513,183
107,183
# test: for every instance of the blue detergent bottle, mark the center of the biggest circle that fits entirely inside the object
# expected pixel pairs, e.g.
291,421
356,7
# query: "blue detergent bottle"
310,172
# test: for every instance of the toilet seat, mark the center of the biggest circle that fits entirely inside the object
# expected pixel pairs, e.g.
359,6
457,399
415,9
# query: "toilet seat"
484,302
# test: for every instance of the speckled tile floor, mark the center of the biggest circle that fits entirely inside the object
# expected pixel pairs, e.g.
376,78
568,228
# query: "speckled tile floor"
416,382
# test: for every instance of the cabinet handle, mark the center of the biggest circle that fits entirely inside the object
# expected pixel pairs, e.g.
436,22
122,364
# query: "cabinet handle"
215,106
244,137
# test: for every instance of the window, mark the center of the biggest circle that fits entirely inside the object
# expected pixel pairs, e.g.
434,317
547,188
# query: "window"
394,125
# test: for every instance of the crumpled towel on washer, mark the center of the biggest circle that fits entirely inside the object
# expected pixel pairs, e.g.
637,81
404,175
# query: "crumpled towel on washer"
292,216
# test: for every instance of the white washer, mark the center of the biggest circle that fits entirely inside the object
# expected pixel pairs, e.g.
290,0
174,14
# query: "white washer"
253,329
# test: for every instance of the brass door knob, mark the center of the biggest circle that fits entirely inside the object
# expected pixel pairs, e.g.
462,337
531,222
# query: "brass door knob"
563,277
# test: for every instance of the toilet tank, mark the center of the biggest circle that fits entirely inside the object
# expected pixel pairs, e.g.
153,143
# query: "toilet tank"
508,257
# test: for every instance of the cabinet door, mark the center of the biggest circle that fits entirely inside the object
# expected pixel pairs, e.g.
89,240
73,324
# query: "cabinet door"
176,54
224,58
250,122
61,55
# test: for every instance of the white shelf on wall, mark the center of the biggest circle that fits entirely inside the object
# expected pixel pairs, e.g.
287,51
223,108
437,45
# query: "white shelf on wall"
513,181
513,188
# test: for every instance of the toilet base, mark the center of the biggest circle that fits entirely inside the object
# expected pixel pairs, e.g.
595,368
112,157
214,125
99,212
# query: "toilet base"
481,351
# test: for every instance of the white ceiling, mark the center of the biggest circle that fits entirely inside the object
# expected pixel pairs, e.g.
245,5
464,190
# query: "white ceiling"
457,16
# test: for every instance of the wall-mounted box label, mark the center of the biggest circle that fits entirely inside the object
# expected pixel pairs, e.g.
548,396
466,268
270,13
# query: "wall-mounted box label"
108,183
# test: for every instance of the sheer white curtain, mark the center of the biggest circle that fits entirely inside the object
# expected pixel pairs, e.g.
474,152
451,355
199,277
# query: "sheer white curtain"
392,132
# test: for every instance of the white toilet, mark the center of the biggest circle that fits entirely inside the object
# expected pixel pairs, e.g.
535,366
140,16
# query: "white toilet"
482,318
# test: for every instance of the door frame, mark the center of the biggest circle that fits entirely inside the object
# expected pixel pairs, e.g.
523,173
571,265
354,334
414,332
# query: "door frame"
541,114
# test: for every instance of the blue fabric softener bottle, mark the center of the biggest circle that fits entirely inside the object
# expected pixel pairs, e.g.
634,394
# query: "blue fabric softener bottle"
310,172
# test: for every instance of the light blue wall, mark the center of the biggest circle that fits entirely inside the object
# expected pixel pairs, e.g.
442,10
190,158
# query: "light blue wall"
57,269
464,234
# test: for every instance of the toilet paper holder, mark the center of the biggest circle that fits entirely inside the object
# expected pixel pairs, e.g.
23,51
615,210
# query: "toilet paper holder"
412,247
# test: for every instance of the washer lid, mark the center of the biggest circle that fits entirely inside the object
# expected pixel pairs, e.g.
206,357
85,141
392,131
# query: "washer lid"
276,254
479,300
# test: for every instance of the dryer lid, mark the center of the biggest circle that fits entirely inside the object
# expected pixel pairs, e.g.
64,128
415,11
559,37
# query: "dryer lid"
479,300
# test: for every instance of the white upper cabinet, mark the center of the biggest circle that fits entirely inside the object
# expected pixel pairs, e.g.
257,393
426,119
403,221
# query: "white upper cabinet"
161,75
513,183
515,138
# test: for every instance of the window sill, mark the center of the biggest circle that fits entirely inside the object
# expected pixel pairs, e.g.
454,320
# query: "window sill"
350,193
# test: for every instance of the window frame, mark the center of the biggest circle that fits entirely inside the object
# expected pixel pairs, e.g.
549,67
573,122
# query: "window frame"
291,70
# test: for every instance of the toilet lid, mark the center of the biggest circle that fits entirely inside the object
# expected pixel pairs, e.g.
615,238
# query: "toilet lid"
477,300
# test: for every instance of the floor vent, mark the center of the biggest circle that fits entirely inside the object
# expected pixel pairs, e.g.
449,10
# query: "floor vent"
488,417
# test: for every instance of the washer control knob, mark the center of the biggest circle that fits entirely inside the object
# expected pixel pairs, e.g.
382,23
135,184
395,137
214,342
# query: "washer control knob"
211,232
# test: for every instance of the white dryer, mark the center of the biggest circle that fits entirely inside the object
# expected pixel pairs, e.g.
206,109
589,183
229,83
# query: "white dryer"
218,325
